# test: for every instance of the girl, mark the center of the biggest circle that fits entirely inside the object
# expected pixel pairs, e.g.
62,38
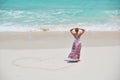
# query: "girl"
76,48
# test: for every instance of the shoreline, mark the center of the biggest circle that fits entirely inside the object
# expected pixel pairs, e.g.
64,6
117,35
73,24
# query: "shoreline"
56,39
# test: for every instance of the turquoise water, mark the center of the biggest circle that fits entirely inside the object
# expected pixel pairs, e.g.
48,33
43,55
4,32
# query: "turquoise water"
60,15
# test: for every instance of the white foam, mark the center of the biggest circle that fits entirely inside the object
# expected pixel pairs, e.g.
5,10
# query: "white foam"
31,23
88,27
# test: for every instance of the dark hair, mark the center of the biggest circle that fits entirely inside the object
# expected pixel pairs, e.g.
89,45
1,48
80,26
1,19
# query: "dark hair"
76,29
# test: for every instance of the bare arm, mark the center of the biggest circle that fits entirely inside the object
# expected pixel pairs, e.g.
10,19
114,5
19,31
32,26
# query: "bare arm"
71,31
80,30
83,30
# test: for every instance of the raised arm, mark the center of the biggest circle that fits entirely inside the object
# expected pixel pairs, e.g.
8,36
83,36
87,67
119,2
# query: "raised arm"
82,31
77,32
71,31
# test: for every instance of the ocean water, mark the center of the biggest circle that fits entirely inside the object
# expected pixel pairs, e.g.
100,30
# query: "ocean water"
59,15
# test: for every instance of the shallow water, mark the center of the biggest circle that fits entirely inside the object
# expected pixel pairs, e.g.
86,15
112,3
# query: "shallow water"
59,15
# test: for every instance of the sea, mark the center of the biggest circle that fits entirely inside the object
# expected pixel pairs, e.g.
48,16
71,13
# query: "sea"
59,15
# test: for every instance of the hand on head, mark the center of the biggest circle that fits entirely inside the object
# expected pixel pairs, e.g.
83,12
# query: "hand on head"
76,30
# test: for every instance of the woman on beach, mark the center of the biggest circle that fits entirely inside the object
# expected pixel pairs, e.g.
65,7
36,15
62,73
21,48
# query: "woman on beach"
76,48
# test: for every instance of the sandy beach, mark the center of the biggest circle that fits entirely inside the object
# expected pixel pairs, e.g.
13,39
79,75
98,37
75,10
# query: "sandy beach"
41,56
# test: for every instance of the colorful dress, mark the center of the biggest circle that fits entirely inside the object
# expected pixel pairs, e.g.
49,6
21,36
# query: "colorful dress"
75,52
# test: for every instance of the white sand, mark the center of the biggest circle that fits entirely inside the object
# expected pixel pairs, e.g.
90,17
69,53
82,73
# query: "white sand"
26,56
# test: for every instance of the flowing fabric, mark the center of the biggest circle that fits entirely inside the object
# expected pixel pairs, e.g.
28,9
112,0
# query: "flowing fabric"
75,52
